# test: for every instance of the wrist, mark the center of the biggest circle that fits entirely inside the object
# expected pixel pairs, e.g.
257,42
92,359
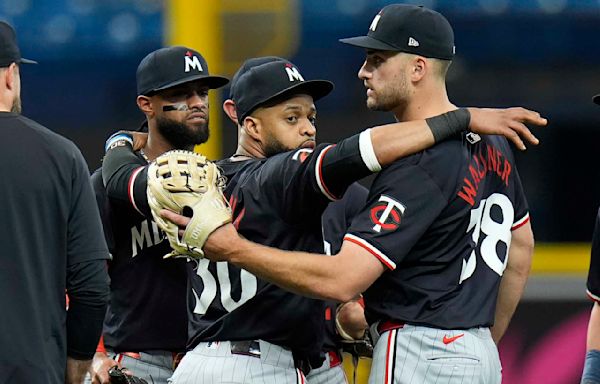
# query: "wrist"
449,124
118,139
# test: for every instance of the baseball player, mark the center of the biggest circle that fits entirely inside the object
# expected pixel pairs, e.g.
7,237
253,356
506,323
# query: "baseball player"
145,329
591,370
242,321
51,241
449,225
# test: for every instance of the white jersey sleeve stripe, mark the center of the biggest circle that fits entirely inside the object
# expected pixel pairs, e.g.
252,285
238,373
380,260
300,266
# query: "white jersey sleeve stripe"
130,188
519,223
592,296
319,174
367,153
371,249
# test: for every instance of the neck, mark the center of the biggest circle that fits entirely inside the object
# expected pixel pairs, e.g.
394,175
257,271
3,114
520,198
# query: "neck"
248,147
424,104
156,144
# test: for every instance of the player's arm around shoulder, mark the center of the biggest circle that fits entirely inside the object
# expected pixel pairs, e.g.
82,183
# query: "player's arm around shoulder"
514,278
340,277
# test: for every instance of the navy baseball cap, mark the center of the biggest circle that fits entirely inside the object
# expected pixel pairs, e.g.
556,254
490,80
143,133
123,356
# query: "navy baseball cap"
171,66
411,29
9,50
596,99
261,80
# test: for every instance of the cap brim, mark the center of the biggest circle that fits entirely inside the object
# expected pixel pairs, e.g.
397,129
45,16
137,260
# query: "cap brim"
596,99
315,88
369,43
27,61
213,82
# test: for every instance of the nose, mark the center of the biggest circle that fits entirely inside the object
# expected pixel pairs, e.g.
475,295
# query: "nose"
363,73
197,100
308,129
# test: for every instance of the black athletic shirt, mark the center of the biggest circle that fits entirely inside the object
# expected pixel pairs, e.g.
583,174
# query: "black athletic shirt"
336,220
147,309
52,242
593,280
441,222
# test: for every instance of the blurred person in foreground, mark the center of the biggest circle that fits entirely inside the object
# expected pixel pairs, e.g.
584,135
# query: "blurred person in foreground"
52,243
591,369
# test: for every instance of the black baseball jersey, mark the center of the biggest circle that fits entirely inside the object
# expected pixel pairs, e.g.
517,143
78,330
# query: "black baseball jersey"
593,280
147,309
50,234
441,222
277,202
336,220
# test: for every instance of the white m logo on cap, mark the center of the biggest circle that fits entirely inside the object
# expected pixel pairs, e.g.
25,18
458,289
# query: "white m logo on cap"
192,62
293,74
374,22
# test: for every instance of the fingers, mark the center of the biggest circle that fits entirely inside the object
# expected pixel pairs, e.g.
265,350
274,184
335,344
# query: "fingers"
516,139
529,117
525,133
175,218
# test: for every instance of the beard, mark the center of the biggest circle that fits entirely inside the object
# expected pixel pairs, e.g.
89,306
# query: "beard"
273,147
182,135
391,97
16,107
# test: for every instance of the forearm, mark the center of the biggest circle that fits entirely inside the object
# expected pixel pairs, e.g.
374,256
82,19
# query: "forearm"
88,289
511,289
591,370
125,177
299,272
394,141
76,370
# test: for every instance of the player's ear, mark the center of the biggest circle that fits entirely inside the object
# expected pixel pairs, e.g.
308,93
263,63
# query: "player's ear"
253,128
145,105
10,76
230,111
418,68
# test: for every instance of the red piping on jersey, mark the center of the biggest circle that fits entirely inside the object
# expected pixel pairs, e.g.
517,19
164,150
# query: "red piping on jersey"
389,357
130,188
519,225
328,194
592,296
372,252
101,347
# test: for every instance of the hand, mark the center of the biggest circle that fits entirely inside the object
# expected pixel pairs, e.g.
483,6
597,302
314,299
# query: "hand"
139,139
509,122
218,242
350,317
76,370
100,366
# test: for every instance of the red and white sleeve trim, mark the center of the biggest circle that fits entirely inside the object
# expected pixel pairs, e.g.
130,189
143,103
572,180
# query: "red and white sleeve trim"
592,296
130,186
319,175
520,222
367,153
371,249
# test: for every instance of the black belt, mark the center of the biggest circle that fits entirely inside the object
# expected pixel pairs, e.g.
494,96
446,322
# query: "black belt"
252,348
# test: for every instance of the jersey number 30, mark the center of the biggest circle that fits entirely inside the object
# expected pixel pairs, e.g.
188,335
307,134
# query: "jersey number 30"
493,231
209,293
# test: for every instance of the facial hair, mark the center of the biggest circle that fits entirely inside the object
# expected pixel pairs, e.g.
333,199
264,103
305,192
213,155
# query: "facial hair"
391,96
16,107
272,146
180,134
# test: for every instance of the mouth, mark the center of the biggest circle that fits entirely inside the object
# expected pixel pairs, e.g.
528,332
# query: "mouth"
197,116
308,144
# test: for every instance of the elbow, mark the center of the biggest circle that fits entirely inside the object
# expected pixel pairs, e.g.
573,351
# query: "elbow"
340,291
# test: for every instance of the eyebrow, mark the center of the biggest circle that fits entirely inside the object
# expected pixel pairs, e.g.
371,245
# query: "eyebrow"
297,107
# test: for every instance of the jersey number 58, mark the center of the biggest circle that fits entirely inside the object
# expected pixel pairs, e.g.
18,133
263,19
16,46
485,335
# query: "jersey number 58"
490,236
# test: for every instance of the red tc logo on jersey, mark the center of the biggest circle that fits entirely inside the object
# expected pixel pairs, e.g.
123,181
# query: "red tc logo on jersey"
302,154
386,214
